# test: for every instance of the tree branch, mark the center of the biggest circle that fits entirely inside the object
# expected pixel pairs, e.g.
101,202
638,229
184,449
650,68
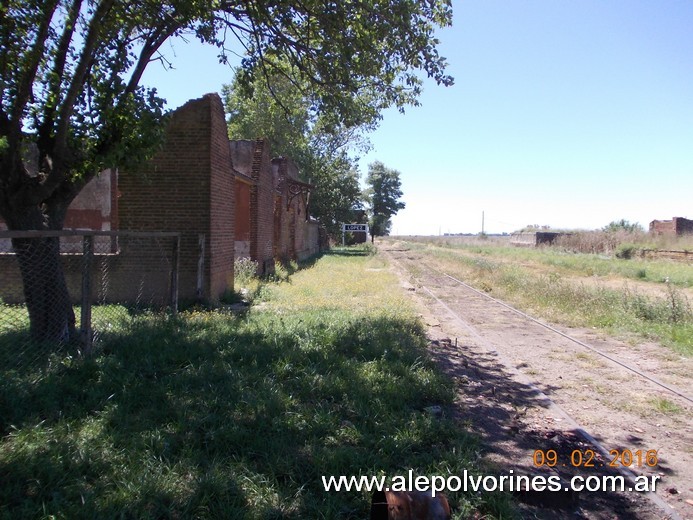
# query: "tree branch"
150,47
62,51
30,68
88,50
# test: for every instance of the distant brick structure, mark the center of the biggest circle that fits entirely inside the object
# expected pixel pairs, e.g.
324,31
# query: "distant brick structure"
189,187
296,235
534,238
676,226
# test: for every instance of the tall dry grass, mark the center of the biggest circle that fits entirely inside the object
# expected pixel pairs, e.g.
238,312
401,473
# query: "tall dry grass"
600,242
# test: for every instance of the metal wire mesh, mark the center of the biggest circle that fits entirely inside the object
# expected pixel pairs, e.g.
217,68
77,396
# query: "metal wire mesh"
64,290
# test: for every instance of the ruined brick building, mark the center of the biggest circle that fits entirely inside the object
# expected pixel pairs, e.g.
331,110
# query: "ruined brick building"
676,226
228,199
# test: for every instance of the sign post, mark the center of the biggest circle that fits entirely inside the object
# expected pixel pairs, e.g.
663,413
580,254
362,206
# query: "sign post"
353,228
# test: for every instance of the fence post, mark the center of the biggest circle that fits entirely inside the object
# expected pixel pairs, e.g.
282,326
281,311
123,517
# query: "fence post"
174,275
85,321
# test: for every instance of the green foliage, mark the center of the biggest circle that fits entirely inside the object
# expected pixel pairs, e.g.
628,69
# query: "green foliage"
626,251
70,74
623,225
282,114
244,270
382,196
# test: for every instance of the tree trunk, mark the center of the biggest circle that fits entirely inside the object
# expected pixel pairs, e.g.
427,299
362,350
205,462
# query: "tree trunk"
51,316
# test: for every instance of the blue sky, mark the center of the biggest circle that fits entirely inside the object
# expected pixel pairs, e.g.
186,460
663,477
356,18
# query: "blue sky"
566,114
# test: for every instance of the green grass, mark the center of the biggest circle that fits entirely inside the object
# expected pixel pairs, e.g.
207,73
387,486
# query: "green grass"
512,274
666,406
578,264
212,415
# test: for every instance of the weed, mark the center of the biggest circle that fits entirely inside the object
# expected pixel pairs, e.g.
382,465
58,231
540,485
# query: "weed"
518,275
244,271
679,307
665,406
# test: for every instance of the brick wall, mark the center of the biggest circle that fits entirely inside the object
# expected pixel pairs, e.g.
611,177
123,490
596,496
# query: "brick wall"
683,226
675,226
251,159
242,219
298,237
189,187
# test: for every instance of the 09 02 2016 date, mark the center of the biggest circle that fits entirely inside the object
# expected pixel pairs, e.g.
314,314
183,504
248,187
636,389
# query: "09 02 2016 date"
588,458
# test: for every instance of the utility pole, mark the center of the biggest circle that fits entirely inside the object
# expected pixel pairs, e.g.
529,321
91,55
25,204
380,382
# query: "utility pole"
482,222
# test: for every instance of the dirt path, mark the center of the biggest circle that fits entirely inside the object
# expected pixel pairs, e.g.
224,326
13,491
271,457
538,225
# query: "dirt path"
525,388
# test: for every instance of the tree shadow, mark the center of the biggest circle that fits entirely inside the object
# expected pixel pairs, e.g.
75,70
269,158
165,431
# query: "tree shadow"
496,404
215,416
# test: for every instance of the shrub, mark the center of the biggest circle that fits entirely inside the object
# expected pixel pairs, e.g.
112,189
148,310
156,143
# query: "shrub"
626,251
244,270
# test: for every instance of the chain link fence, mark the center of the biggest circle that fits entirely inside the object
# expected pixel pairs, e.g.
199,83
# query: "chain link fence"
71,289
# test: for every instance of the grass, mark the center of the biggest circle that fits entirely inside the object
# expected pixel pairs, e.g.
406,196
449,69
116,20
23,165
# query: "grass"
665,406
213,415
520,276
576,264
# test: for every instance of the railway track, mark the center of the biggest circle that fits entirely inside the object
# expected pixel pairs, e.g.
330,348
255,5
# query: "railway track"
592,385
611,358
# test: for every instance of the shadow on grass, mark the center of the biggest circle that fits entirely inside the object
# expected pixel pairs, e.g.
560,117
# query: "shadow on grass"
210,416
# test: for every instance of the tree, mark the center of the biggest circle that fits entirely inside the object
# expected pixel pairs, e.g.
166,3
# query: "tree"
382,195
623,225
70,93
319,147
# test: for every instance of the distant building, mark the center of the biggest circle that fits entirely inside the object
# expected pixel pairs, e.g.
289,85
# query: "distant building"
534,238
675,226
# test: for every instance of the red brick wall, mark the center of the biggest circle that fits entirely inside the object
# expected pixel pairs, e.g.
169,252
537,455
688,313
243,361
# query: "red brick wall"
298,238
675,226
188,187
222,203
242,210
252,160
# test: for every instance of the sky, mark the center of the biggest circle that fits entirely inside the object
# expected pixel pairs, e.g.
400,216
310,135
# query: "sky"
568,114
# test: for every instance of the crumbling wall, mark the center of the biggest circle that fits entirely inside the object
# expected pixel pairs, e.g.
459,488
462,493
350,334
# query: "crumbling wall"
242,219
295,239
189,187
675,226
683,226
534,238
251,159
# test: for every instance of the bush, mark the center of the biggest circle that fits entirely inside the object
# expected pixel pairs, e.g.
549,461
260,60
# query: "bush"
626,251
244,270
